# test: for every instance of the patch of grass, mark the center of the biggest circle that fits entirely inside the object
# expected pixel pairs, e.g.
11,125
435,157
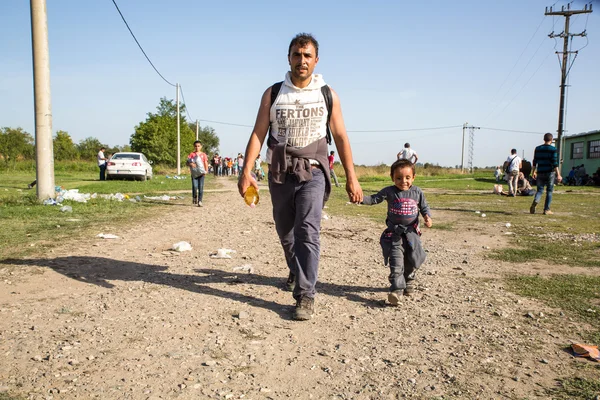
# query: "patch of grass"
11,396
443,226
561,253
577,294
30,227
577,388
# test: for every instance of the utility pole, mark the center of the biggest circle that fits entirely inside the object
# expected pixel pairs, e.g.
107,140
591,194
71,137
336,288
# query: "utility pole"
196,129
44,152
471,144
178,136
567,13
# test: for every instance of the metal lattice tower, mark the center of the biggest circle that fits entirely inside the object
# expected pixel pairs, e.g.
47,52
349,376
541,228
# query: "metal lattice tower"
471,146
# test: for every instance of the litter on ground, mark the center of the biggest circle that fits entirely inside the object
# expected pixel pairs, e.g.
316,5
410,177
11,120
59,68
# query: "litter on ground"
244,268
182,246
107,236
222,253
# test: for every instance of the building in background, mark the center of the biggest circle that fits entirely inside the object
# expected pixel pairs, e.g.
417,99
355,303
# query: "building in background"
583,148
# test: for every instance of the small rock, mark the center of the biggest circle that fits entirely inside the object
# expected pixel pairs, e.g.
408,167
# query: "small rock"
544,361
37,358
73,362
530,315
413,381
209,363
243,315
265,390
516,379
90,358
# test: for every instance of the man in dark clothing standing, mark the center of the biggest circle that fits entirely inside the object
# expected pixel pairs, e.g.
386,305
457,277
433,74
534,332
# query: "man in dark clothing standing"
545,171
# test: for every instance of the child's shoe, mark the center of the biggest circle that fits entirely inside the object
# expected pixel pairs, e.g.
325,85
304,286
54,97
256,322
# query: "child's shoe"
394,297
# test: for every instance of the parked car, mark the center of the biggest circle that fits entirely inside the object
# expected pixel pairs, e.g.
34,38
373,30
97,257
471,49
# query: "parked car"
133,165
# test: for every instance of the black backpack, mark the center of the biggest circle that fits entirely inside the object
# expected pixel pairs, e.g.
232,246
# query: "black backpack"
326,90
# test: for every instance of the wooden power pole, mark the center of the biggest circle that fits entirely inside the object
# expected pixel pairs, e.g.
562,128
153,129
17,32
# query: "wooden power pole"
565,35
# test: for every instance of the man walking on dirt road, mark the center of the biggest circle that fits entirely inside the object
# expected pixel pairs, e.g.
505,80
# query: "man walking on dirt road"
296,113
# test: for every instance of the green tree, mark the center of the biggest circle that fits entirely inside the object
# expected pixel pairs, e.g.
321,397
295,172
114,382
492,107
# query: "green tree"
64,148
88,148
208,137
15,143
157,136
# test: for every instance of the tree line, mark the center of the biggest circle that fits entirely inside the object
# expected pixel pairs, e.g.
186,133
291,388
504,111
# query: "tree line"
156,137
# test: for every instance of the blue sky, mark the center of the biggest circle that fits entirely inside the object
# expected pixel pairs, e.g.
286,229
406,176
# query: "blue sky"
395,65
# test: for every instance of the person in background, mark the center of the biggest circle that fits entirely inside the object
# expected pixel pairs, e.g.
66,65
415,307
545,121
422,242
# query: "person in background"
545,171
198,163
102,163
512,165
332,174
408,154
498,174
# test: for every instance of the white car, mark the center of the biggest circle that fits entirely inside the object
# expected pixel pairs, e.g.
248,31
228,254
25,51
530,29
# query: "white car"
123,165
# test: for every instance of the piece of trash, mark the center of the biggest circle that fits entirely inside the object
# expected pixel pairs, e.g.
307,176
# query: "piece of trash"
182,246
483,215
509,233
508,225
477,212
325,216
162,198
586,350
49,202
66,209
244,268
222,253
107,236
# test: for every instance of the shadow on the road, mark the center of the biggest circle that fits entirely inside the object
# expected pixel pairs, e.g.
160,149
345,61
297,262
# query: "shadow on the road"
100,271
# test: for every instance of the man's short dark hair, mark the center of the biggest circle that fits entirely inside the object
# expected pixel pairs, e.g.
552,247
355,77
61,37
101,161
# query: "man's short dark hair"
332,152
513,151
548,137
402,163
102,148
302,39
197,141
407,145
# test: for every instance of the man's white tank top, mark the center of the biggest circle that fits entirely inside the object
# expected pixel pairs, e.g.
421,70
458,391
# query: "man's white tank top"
298,115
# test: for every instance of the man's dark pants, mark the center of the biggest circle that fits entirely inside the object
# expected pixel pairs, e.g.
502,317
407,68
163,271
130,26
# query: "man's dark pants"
102,172
297,211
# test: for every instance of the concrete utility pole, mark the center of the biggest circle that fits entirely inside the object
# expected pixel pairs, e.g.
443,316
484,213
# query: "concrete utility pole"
196,129
44,152
567,13
471,140
178,136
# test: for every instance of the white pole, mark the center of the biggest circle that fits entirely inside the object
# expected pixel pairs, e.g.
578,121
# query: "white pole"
178,137
44,152
196,129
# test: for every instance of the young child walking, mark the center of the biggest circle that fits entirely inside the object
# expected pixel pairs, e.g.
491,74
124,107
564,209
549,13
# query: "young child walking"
400,241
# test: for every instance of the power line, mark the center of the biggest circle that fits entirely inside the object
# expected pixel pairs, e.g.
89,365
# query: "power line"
186,107
510,130
407,130
139,45
226,123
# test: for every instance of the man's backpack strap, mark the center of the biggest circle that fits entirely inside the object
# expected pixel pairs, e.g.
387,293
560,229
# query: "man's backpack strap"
274,92
325,90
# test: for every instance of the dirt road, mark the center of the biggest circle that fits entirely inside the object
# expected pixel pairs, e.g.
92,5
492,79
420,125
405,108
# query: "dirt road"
128,319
